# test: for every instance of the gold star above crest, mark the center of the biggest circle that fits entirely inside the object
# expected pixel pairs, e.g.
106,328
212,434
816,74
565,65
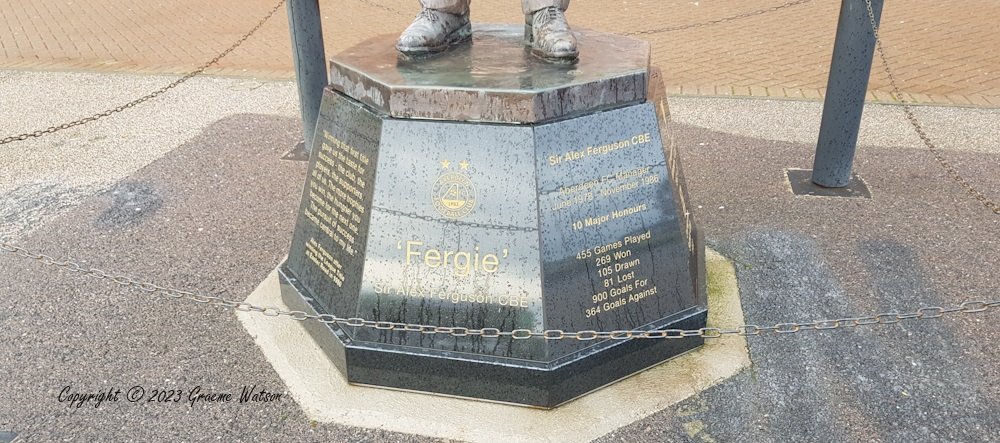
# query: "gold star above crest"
445,164
464,164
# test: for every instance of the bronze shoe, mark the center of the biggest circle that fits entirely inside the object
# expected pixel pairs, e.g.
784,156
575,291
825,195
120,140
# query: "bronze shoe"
434,31
549,35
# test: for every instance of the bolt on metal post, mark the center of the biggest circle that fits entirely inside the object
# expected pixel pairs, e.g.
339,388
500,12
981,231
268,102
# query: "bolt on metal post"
847,86
309,57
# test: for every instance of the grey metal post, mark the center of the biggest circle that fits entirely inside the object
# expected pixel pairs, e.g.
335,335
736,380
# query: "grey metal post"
845,93
309,57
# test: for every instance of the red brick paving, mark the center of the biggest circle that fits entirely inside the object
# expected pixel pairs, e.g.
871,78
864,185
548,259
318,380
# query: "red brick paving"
941,52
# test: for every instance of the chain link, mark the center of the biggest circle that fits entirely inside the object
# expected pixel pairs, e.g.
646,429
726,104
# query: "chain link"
385,8
425,217
912,118
718,20
923,313
151,95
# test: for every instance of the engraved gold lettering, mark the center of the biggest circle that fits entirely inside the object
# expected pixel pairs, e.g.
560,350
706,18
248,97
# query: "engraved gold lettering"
461,263
491,263
432,258
636,239
619,265
334,192
641,295
415,289
410,252
325,261
629,211
614,185
589,151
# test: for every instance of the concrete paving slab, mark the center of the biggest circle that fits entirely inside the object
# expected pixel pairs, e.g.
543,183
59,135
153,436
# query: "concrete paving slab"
325,395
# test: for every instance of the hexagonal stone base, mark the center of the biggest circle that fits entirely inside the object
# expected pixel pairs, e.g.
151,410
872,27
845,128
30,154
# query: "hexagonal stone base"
295,349
573,224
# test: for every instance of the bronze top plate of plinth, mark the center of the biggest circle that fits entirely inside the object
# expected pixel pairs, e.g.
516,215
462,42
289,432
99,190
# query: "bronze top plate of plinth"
494,78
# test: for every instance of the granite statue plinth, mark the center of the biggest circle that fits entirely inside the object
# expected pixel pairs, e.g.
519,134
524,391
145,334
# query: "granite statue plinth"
576,221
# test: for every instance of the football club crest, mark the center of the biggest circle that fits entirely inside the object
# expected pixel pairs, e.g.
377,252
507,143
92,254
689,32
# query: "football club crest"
454,195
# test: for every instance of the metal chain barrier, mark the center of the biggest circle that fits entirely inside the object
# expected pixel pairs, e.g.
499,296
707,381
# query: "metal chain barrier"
151,95
454,222
719,20
385,8
912,118
923,313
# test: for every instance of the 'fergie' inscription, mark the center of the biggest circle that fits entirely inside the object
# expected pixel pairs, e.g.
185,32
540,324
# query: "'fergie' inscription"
462,263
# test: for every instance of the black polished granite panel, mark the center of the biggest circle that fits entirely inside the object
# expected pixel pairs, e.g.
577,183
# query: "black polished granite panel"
328,247
472,264
614,253
578,224
494,78
678,188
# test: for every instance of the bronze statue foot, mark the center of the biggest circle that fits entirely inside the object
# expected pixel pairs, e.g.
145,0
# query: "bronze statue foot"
434,31
549,35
